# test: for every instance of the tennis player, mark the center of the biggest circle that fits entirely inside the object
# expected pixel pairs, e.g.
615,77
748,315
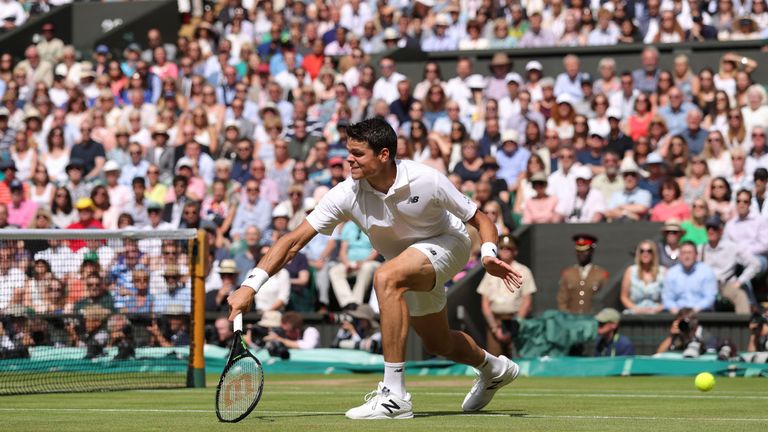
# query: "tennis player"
415,218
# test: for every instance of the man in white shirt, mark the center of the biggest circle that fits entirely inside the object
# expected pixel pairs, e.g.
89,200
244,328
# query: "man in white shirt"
562,182
415,218
386,86
456,88
587,205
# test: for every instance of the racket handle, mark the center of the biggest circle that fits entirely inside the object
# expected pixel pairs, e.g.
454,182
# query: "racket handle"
238,324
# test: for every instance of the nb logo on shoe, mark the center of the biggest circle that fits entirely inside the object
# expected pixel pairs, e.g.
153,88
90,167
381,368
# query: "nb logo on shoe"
391,406
494,385
413,199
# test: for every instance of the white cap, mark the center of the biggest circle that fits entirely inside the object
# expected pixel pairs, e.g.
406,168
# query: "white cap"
111,165
185,162
476,81
613,112
583,172
514,76
390,34
309,204
280,211
565,98
510,135
443,20
231,123
654,158
628,165
534,65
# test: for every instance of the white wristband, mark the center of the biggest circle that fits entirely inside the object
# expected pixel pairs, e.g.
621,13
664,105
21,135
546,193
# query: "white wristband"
255,279
488,249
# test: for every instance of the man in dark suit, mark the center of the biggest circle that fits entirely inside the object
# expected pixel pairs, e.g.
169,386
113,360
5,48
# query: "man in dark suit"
172,211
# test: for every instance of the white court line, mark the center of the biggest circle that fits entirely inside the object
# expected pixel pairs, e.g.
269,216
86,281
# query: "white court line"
427,414
512,393
538,393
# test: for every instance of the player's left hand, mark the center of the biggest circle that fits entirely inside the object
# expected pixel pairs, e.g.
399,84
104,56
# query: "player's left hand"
496,267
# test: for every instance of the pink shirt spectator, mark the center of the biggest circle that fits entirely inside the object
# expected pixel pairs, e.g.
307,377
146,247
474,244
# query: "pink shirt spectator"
674,210
21,216
540,210
195,190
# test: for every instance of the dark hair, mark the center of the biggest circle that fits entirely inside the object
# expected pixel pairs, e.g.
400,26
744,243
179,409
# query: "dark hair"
691,244
377,134
138,180
761,174
180,178
672,184
107,203
67,207
728,190
125,216
294,319
744,191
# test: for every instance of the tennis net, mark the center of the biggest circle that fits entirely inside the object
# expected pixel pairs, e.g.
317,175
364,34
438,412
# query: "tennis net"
90,310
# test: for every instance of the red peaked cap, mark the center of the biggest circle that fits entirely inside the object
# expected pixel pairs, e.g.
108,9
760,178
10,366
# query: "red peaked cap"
584,242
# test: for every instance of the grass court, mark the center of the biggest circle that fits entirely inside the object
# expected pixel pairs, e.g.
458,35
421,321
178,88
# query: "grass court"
317,403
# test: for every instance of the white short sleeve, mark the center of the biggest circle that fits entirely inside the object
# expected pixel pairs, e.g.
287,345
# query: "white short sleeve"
330,211
453,200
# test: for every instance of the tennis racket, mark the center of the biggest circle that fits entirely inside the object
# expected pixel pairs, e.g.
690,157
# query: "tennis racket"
242,381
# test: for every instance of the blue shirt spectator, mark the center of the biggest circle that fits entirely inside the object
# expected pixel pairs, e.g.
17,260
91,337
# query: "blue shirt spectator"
511,158
693,286
635,196
676,111
618,345
253,211
359,247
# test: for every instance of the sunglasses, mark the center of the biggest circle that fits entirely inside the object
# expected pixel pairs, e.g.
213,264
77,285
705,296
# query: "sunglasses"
646,251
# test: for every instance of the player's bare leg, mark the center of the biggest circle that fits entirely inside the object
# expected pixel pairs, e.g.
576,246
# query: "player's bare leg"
409,269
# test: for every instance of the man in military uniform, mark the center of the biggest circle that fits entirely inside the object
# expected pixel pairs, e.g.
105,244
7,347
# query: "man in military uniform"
579,283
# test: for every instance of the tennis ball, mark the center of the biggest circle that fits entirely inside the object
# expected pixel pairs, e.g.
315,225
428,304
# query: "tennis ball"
705,381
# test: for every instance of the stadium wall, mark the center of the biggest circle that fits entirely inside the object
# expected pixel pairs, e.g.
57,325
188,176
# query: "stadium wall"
411,62
113,24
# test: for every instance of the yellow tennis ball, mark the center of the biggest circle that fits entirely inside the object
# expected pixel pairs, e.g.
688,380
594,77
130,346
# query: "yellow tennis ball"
705,381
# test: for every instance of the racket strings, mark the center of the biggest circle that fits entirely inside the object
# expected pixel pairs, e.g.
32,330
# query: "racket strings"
240,388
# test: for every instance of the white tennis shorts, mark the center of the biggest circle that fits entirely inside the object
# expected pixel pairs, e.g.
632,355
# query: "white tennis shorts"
448,255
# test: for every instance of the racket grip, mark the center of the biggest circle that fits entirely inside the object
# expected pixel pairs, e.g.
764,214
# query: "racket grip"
238,324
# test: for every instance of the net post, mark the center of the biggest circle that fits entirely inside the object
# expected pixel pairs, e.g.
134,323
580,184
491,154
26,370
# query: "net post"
198,249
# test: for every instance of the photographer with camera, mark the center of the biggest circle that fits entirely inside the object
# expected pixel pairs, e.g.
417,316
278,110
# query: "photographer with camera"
687,336
358,330
296,336
758,335
501,307
610,343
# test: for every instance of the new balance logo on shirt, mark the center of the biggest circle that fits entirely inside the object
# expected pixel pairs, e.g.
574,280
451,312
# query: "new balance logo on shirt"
391,406
414,199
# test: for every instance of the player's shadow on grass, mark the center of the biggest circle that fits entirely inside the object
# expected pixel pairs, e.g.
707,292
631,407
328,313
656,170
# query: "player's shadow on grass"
275,417
496,413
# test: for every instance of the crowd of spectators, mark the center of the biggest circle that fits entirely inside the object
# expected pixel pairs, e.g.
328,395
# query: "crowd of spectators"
239,128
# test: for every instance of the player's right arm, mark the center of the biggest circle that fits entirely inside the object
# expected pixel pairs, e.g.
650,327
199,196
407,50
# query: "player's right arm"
275,259
329,212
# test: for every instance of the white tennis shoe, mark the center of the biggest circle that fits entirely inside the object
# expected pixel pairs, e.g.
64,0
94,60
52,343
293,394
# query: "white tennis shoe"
382,404
484,388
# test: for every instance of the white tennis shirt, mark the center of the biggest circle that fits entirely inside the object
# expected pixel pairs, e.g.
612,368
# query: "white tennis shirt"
422,203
